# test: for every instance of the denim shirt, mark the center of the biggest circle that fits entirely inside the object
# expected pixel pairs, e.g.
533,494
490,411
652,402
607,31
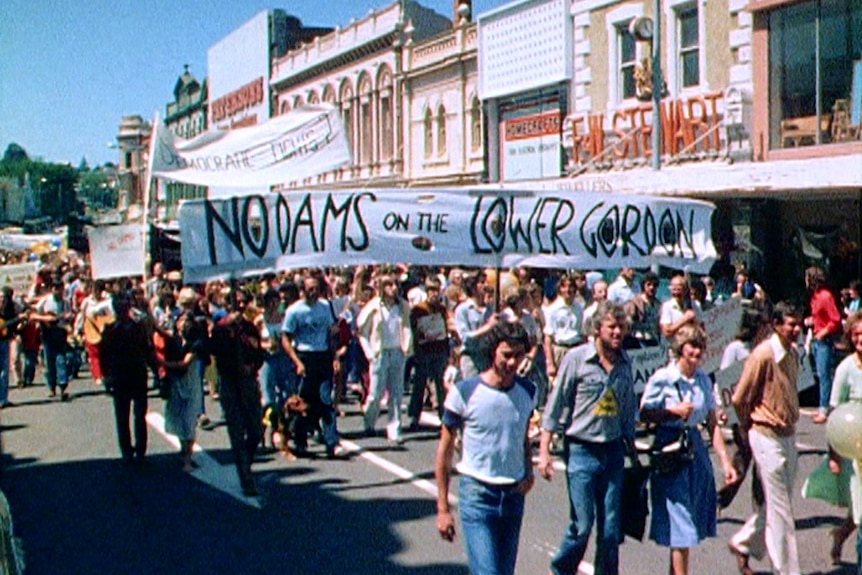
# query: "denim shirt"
602,404
661,393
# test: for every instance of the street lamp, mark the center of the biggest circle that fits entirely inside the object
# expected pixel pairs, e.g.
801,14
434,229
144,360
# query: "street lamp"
644,30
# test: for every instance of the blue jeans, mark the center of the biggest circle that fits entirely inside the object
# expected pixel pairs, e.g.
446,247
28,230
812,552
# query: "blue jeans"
277,378
491,520
594,475
55,363
31,360
4,371
824,363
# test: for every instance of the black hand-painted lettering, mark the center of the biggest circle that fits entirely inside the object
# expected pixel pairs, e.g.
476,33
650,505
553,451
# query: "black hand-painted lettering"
282,222
251,228
628,228
231,231
304,219
364,239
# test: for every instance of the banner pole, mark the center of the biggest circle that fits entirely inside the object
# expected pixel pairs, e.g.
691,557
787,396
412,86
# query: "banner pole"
148,175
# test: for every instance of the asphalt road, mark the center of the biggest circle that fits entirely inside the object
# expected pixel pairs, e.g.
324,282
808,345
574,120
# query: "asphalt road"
80,511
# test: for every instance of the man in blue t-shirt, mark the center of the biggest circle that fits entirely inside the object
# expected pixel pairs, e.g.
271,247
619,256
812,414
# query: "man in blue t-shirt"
492,411
305,339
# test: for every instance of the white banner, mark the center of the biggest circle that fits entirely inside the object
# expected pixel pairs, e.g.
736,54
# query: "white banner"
721,323
262,232
41,243
304,142
116,251
725,381
19,277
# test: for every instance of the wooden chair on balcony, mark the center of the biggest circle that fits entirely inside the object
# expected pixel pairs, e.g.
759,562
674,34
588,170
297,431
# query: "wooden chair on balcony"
802,131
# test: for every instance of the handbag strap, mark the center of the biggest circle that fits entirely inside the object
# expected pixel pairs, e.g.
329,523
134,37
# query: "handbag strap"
679,392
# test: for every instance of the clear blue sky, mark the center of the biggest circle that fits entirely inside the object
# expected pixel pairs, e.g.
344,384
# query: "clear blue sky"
70,70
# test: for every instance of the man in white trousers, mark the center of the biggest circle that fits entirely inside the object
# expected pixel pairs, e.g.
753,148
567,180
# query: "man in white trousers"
384,332
767,403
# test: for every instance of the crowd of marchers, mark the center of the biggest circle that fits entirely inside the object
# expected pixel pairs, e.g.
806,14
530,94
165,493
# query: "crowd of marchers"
503,362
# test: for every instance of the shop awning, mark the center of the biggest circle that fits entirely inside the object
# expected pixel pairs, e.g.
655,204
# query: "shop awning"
810,178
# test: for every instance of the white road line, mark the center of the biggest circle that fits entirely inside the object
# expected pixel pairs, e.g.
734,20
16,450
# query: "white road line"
221,477
396,470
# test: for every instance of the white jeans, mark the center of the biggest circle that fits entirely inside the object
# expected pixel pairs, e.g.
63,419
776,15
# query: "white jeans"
776,459
387,374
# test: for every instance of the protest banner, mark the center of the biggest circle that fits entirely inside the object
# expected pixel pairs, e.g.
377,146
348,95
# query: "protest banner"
19,277
116,251
722,324
645,362
41,243
256,233
725,382
304,142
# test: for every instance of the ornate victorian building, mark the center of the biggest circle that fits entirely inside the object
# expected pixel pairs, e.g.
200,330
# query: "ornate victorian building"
360,69
186,117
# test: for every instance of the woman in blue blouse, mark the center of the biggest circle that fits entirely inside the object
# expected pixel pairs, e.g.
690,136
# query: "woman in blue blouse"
684,500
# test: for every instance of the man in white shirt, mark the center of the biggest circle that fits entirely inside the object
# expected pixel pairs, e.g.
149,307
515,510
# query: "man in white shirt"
679,309
624,288
384,332
563,325
600,294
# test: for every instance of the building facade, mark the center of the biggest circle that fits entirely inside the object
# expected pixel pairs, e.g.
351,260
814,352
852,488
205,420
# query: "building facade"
736,128
186,117
359,69
133,142
443,120
525,73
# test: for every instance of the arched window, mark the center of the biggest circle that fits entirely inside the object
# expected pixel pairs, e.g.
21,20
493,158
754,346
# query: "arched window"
441,131
313,98
366,122
285,107
475,125
328,94
347,111
428,124
387,115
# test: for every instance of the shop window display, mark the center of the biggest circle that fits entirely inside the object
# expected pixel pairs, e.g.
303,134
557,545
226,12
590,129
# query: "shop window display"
815,55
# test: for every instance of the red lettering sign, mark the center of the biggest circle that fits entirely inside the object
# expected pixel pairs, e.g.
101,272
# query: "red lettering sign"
687,125
245,97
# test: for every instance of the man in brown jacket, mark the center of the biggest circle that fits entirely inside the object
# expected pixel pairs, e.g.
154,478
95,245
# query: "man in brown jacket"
767,402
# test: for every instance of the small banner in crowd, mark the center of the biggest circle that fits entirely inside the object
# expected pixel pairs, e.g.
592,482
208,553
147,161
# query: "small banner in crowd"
19,277
257,233
721,323
116,251
304,142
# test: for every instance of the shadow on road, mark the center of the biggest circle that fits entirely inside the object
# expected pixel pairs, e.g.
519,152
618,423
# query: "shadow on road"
100,516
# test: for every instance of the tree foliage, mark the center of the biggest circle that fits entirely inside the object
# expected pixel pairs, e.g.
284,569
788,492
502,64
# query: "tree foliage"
53,185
